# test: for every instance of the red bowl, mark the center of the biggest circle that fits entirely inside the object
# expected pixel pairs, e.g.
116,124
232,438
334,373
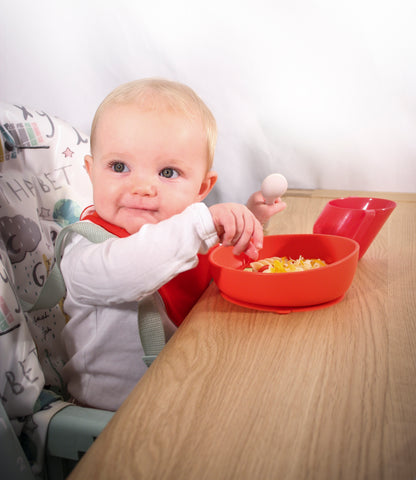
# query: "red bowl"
290,289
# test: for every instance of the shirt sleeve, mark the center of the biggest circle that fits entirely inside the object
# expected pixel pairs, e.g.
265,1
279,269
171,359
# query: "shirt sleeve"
127,269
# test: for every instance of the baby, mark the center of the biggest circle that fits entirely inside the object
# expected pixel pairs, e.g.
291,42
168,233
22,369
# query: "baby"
152,150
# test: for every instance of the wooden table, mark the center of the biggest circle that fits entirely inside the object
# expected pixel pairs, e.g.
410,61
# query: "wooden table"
242,394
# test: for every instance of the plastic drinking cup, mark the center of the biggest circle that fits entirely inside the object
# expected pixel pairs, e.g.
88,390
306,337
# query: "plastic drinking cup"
359,218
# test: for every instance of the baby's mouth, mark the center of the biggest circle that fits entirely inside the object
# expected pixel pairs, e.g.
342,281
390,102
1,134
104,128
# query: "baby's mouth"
141,208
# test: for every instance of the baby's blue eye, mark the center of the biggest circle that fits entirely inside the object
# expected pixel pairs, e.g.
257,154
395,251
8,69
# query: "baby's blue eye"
169,173
119,167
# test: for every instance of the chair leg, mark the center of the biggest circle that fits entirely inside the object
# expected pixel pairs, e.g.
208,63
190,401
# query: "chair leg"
13,461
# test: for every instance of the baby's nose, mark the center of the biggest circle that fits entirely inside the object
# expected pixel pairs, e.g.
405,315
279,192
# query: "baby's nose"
143,187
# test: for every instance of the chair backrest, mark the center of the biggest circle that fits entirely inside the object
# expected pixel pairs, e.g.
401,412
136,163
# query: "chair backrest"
43,187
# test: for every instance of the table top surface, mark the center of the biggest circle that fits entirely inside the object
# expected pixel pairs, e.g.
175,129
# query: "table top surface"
244,394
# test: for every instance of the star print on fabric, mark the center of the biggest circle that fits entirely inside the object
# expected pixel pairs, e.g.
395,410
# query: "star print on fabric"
44,212
67,152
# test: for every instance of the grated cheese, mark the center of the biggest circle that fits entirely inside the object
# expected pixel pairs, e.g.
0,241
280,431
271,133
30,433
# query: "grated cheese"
284,264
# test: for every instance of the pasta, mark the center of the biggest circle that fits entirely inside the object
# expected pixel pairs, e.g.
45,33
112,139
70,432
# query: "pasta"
284,264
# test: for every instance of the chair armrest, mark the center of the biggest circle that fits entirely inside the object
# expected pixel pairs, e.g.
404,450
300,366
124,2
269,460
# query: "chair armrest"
73,429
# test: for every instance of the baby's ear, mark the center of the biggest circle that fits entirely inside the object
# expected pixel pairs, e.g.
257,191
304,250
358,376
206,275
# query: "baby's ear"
88,160
207,184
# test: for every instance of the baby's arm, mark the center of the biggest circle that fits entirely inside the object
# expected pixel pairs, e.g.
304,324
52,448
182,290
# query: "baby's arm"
236,225
126,269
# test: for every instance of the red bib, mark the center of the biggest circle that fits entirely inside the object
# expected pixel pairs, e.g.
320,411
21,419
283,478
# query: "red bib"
182,292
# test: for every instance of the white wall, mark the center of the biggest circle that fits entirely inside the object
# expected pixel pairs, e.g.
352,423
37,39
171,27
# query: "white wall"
323,91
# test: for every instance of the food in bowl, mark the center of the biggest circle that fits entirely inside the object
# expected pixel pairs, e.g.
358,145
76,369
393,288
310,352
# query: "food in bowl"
284,264
288,289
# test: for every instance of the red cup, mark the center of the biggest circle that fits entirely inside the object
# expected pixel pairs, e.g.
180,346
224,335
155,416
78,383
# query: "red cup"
359,218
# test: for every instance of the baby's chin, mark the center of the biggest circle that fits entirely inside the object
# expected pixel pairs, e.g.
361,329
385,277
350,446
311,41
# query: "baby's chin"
133,223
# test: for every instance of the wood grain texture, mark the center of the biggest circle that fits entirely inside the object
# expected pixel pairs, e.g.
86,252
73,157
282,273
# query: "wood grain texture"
242,394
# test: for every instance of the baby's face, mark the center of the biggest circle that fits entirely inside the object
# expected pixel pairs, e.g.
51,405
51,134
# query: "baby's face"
147,166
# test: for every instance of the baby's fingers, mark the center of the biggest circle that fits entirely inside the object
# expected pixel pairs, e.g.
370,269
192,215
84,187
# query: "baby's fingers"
233,227
257,237
251,238
237,226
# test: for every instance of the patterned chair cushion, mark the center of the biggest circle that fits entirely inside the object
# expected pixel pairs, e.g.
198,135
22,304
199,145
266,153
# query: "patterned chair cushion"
43,187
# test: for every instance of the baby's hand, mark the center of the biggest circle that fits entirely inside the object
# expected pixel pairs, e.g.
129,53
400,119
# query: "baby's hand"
237,226
261,209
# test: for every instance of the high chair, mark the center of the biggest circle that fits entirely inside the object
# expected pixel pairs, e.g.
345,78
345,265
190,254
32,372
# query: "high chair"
43,187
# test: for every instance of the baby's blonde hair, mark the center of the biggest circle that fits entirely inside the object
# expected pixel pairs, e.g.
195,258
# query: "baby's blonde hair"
155,93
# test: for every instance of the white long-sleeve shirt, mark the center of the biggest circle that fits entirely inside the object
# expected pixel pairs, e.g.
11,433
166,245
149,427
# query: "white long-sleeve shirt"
104,283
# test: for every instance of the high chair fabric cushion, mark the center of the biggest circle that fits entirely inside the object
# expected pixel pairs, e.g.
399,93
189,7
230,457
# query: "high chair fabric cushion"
43,187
